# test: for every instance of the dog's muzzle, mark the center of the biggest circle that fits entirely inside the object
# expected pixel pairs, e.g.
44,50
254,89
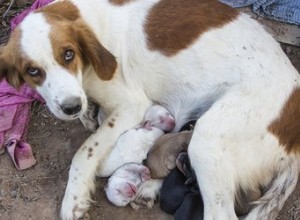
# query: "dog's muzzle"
71,106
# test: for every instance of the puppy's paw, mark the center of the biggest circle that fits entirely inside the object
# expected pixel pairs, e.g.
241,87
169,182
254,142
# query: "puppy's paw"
145,174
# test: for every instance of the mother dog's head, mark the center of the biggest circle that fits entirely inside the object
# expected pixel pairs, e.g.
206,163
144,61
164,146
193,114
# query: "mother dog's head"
50,51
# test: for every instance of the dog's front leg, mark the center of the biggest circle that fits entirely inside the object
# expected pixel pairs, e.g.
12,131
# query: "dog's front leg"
89,156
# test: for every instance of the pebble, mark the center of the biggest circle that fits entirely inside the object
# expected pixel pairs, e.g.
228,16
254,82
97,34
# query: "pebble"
13,194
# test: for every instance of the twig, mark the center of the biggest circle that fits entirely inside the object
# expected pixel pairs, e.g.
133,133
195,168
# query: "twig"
8,9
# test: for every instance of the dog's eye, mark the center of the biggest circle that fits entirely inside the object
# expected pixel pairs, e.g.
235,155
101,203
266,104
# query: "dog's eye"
32,71
69,55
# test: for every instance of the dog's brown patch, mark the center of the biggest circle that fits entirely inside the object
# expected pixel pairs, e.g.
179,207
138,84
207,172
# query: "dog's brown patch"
14,63
93,53
65,9
287,126
90,152
173,25
120,2
111,124
62,39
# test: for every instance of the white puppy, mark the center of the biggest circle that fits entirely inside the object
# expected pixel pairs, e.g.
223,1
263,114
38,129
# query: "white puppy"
133,145
123,185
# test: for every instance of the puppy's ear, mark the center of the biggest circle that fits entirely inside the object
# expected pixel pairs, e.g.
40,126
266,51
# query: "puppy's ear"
170,162
8,71
103,62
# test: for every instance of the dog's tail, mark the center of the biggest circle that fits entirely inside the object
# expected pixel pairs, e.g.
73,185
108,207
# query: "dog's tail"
269,206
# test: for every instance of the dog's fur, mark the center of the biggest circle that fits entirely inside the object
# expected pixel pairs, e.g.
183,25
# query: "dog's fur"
195,57
161,158
134,144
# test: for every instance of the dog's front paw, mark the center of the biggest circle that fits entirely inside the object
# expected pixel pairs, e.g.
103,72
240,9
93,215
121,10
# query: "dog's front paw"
73,208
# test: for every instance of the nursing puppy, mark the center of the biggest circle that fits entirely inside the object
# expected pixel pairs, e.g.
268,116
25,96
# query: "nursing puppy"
134,144
123,185
161,158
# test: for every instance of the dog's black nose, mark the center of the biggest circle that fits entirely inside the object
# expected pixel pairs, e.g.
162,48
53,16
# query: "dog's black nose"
71,106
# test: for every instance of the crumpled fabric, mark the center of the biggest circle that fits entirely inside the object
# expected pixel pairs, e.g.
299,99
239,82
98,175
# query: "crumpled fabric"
15,111
14,119
287,11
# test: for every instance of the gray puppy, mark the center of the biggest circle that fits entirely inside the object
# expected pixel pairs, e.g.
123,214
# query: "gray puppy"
161,158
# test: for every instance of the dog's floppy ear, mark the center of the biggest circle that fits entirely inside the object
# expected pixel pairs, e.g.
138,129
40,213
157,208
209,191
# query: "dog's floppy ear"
103,62
8,71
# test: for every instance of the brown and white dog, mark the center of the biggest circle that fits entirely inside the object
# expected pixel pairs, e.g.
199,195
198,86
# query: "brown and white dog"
194,57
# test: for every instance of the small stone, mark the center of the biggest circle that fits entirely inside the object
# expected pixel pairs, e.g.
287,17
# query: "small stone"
13,194
2,192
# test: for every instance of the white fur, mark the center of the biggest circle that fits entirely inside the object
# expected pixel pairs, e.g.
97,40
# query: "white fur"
122,186
236,76
134,144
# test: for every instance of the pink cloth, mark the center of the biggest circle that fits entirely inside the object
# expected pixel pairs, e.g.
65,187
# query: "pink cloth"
15,111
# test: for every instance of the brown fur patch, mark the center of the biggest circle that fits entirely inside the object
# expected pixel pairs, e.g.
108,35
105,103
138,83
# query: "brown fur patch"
62,39
173,25
120,2
111,124
287,126
14,63
90,152
76,36
65,9
103,62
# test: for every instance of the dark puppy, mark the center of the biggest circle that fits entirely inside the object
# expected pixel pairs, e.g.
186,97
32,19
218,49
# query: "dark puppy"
173,191
192,207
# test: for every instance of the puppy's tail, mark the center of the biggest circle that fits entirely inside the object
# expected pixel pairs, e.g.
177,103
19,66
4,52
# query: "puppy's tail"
269,206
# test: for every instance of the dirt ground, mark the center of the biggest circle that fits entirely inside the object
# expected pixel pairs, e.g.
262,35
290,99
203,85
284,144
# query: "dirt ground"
36,193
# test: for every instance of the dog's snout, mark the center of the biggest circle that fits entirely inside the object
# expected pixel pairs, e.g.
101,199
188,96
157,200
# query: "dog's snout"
71,106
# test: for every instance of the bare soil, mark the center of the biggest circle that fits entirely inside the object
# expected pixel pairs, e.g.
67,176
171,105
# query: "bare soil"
36,193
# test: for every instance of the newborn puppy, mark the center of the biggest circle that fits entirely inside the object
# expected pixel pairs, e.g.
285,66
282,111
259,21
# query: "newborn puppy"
159,117
161,158
147,194
133,145
192,207
123,185
173,191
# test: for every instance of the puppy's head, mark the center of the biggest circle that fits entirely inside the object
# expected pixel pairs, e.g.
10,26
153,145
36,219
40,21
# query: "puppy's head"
50,50
159,117
120,192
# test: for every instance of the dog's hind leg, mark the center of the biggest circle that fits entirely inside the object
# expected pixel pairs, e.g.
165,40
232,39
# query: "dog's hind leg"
215,176
268,207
